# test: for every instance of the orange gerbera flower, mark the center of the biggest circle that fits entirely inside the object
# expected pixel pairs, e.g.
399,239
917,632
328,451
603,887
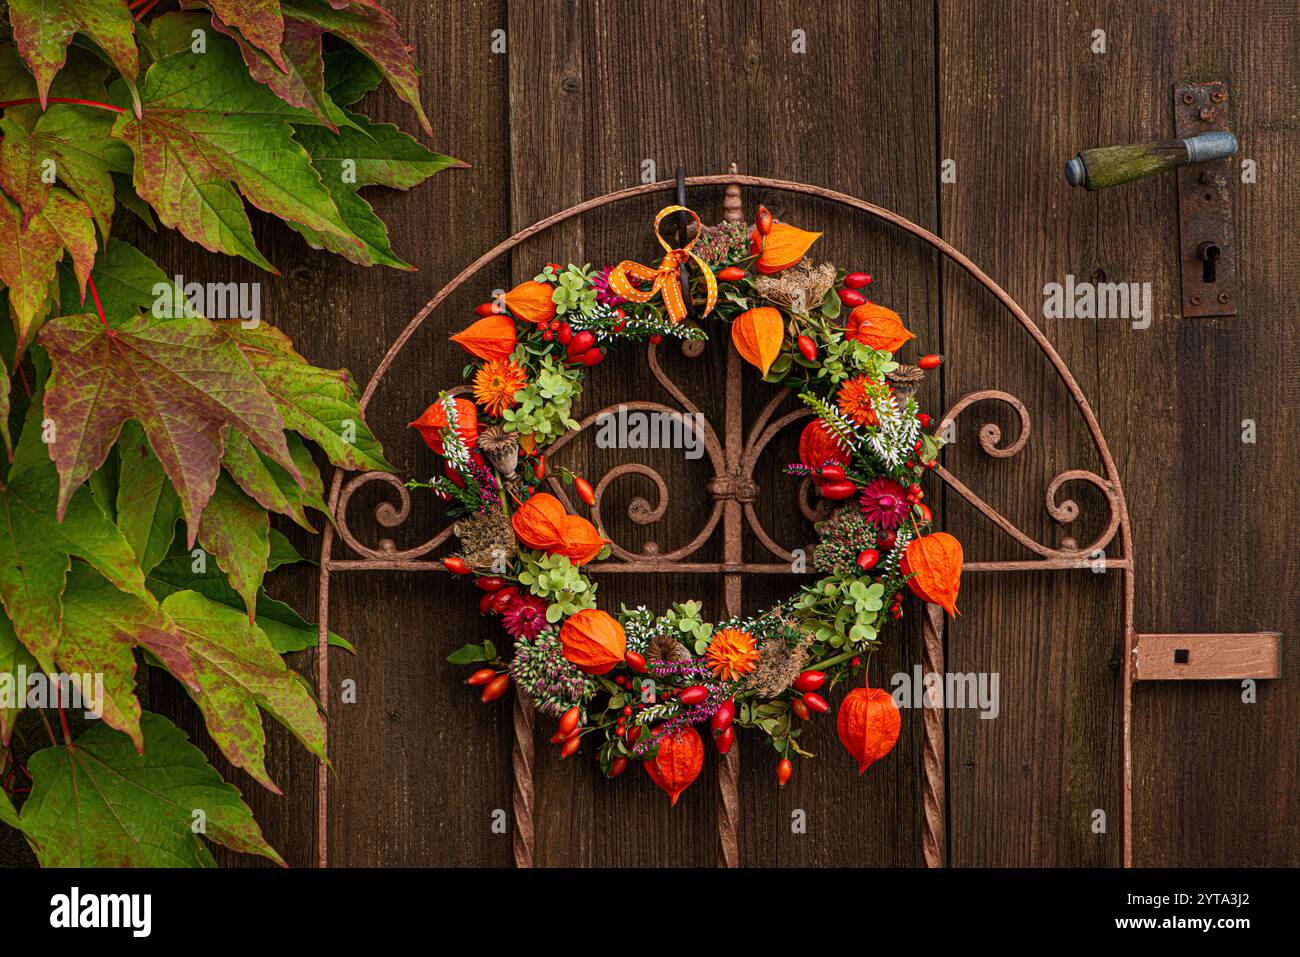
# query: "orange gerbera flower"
732,654
855,399
496,383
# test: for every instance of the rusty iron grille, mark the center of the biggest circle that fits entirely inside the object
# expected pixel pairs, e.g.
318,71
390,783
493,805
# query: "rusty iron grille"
732,454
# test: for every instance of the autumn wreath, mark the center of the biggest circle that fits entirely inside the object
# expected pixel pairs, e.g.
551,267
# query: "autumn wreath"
639,683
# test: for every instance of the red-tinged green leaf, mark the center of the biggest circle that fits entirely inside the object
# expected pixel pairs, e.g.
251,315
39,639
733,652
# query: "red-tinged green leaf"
271,486
366,154
373,32
8,815
350,75
299,79
285,628
22,169
84,77
125,279
36,550
29,257
43,29
4,408
181,379
101,627
238,671
76,139
98,803
259,21
235,530
207,125
13,657
130,200
318,404
147,505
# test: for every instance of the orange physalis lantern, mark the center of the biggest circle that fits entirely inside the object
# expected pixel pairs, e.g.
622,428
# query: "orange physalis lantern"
490,338
539,522
531,301
757,335
878,327
434,419
593,640
934,564
868,723
783,247
582,542
677,762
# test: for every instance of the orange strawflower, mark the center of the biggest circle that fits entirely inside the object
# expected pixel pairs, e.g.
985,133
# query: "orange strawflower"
496,383
732,654
855,399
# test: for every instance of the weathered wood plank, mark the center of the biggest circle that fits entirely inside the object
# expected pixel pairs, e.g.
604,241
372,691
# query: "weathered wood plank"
1023,787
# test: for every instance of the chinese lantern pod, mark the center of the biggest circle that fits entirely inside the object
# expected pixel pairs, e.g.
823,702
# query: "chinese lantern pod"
434,419
878,327
539,522
593,640
490,338
868,725
677,762
934,563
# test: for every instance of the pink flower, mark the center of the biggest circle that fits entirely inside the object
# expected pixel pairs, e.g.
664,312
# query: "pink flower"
525,618
604,295
884,503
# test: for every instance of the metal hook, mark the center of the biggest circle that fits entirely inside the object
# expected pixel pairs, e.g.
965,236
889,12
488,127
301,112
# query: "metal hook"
683,237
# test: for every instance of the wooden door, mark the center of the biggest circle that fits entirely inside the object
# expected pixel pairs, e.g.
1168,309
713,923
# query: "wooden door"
883,101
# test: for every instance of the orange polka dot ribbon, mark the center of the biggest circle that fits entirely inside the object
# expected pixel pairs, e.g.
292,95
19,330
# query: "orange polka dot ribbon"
664,279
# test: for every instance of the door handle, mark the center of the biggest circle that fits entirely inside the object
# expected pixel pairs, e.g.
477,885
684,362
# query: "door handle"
1113,165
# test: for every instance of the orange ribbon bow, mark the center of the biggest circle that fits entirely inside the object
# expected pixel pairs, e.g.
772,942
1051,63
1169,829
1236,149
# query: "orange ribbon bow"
664,279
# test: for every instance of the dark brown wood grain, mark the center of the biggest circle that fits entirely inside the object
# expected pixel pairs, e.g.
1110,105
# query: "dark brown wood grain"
886,93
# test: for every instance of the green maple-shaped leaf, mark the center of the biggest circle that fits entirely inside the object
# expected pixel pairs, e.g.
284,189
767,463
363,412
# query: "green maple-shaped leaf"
99,803
236,531
298,77
285,628
271,486
318,404
75,140
43,29
36,550
101,626
258,21
373,31
238,672
29,255
205,125
366,154
13,656
181,379
148,508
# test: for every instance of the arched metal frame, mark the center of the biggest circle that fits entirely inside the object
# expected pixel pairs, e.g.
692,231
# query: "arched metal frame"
733,458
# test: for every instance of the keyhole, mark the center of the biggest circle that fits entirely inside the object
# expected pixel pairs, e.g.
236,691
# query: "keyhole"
1182,656
1208,254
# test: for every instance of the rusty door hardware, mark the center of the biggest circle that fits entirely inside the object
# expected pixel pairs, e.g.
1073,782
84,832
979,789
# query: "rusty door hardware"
734,453
1207,657
1207,257
1113,165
